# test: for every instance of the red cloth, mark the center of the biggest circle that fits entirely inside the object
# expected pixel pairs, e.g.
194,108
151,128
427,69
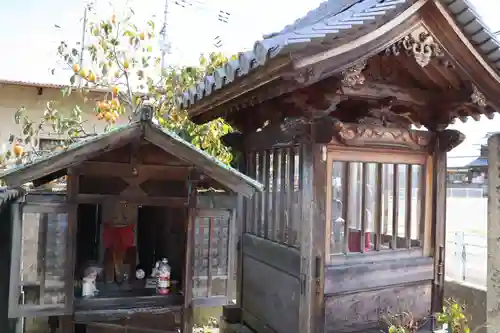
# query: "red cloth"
118,238
355,241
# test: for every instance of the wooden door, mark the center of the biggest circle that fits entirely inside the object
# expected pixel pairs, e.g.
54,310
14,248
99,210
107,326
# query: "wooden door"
209,272
41,282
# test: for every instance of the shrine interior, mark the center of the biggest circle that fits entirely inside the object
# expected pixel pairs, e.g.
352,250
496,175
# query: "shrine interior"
153,233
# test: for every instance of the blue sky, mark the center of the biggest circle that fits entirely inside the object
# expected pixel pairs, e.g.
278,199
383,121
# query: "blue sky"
29,38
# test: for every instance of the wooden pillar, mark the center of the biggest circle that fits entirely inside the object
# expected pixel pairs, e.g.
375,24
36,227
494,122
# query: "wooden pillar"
10,325
439,221
313,238
73,188
493,266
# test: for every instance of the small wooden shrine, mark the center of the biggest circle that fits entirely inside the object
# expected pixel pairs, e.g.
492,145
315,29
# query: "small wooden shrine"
133,196
343,117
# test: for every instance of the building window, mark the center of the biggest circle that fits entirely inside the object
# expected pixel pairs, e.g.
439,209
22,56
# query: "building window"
375,207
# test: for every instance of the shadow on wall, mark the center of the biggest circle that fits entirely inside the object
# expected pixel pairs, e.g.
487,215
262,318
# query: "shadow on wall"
475,299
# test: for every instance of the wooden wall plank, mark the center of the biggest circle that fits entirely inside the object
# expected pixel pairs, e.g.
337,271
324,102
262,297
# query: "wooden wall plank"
271,296
358,312
279,256
341,279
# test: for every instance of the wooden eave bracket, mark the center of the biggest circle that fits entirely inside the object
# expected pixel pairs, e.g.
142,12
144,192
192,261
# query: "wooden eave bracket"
448,139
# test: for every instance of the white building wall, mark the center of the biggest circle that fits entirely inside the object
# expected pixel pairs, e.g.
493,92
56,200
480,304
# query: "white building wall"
12,97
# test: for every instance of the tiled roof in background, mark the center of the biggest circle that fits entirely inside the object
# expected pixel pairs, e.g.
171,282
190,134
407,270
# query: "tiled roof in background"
46,85
329,21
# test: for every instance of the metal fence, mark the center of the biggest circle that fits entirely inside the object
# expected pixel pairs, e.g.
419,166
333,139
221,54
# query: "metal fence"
466,257
466,192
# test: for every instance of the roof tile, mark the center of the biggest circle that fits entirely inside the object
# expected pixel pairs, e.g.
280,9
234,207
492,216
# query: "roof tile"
475,29
327,22
330,19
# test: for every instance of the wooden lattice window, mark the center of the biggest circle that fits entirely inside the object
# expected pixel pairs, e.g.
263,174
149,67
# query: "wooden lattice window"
275,214
374,207
211,255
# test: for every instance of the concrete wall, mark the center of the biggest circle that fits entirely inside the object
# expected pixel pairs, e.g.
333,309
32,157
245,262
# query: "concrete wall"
475,299
12,97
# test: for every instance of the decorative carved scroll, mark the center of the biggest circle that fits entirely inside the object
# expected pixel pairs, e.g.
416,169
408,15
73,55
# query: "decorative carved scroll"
382,115
420,44
353,75
377,136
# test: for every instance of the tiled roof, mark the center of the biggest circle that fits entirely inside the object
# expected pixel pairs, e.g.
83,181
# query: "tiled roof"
45,85
476,30
332,19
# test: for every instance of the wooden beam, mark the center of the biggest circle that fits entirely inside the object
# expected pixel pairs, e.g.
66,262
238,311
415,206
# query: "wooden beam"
139,200
372,90
125,170
73,156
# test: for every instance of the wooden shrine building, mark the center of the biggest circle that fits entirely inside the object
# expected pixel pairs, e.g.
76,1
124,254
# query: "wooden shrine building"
132,196
343,116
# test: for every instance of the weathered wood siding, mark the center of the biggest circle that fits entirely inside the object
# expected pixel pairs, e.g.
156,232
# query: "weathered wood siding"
276,213
270,244
357,296
271,285
140,323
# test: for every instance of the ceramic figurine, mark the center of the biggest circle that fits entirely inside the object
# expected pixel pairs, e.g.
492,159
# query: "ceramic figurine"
89,288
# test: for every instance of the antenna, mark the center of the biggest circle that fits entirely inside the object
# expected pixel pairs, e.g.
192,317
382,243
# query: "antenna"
165,45
84,33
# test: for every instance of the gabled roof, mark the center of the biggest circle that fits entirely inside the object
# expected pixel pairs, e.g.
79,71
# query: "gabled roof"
119,137
335,23
332,20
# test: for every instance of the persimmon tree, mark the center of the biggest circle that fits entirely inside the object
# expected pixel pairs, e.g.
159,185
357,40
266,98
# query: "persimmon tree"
123,66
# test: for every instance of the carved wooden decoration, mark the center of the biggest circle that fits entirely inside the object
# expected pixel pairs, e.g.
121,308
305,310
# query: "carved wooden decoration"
420,44
382,115
378,136
353,75
477,97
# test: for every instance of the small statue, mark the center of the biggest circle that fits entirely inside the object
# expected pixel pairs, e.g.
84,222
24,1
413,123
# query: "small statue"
89,288
154,272
151,280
